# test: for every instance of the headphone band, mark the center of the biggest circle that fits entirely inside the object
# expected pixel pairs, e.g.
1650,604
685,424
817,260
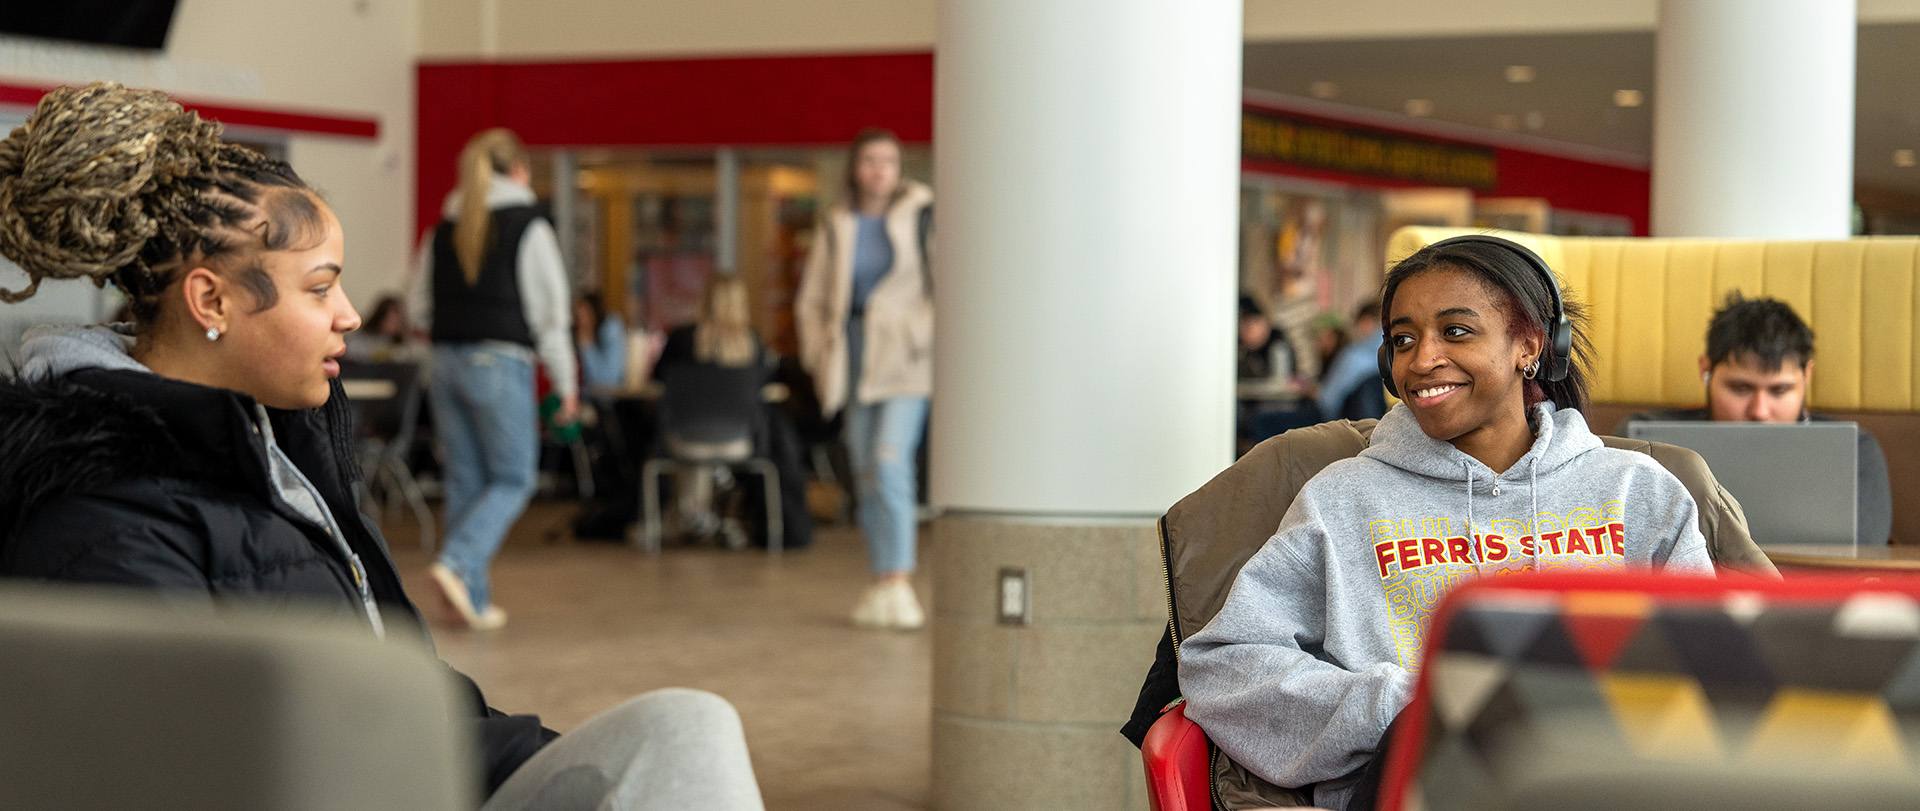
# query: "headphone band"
1557,354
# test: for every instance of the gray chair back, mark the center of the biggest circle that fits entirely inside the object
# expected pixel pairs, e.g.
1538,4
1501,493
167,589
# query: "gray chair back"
112,699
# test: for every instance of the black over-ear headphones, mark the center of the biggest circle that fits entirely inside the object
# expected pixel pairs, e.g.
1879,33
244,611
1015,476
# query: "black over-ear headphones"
1558,359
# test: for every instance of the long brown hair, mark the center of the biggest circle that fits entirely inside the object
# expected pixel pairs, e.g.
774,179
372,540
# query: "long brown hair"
723,329
494,151
868,136
119,185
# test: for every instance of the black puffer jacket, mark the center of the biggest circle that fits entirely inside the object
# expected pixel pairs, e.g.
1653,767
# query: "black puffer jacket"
125,477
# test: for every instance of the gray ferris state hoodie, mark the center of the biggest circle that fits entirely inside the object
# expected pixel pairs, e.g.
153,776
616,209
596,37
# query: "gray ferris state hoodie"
1314,652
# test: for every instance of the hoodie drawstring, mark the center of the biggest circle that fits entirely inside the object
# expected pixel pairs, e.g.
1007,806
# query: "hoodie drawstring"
1533,518
1476,546
1533,489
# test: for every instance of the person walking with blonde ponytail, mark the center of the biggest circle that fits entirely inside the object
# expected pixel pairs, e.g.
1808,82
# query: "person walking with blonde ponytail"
490,289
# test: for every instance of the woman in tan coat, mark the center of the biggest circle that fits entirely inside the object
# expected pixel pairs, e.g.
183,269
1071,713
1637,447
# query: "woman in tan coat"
865,321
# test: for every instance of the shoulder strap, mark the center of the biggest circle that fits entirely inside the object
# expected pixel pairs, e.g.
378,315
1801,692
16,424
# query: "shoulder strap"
926,260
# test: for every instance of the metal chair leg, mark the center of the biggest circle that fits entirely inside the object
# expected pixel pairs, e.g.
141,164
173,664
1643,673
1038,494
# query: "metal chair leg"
409,489
770,480
582,469
649,539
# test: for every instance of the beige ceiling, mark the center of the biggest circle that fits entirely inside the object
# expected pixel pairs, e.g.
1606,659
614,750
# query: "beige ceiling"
1571,97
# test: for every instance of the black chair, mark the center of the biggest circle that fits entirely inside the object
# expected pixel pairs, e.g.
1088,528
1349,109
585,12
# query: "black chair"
710,417
385,400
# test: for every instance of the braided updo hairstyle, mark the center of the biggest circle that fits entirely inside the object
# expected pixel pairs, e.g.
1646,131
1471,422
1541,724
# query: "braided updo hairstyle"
120,185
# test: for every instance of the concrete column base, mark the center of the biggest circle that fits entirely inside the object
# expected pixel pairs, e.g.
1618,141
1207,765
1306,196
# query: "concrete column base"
1028,716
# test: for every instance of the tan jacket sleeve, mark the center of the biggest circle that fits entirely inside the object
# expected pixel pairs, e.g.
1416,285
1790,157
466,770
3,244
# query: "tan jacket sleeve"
812,306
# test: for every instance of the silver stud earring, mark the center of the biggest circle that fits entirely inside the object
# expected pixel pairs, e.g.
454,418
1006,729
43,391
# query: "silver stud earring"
1531,369
213,333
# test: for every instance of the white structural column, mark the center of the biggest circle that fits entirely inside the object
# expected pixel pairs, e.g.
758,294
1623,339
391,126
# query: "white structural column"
566,195
1753,119
1087,160
726,210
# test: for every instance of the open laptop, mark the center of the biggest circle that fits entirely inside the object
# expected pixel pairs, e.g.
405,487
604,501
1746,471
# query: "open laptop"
1796,482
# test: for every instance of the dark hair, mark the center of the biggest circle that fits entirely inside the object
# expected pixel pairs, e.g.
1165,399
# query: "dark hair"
598,309
866,136
388,305
1763,329
595,305
1525,299
120,185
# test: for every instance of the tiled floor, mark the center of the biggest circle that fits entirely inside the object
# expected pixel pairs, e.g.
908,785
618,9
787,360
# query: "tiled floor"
836,718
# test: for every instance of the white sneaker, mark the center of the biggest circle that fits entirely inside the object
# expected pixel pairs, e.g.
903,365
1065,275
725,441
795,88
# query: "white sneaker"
907,615
875,609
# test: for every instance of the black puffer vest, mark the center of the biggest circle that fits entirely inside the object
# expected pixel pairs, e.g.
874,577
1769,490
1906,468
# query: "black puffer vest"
125,477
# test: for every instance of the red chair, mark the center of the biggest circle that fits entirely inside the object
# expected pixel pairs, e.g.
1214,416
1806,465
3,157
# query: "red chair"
1178,760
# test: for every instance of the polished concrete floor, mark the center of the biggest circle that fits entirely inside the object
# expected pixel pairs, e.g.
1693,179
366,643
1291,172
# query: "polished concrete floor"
836,717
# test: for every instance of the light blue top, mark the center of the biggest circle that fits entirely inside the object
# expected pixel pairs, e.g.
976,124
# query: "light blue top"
1355,365
604,362
872,258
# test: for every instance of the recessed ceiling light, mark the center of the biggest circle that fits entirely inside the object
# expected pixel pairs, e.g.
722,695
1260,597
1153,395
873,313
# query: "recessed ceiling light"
1506,121
1420,107
1519,73
1536,120
1903,158
1626,98
1323,90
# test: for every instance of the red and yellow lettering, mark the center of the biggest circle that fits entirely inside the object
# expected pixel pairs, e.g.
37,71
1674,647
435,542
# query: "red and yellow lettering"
1599,536
1382,554
1495,547
1432,550
1409,552
1526,546
1577,542
1616,532
1553,541
1459,550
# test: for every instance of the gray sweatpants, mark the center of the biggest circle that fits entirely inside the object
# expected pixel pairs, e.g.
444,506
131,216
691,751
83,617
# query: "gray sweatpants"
666,750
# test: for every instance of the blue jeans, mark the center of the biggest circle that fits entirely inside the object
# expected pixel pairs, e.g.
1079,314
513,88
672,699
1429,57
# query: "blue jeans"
883,438
485,416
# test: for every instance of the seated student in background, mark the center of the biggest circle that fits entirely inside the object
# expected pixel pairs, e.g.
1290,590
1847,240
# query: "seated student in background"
1486,468
600,340
1350,388
722,335
384,337
1758,368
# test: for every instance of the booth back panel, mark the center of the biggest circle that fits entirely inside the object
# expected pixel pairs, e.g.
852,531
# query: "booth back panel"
1649,301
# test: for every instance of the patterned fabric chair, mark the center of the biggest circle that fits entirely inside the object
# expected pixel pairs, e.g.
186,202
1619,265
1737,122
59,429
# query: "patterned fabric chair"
1640,691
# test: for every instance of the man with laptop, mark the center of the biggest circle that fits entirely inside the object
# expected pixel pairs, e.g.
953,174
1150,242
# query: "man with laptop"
1757,369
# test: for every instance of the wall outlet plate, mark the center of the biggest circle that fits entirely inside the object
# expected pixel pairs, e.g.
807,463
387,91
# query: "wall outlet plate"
1016,596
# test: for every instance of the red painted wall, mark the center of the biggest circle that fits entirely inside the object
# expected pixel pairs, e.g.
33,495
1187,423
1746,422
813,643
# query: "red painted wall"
791,100
290,121
811,100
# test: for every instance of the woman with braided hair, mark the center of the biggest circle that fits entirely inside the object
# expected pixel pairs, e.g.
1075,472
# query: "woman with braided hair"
204,451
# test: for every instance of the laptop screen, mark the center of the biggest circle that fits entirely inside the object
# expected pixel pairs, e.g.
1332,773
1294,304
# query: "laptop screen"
1794,481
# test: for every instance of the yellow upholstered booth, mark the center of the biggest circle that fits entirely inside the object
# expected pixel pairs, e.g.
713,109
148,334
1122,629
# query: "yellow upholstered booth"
1649,300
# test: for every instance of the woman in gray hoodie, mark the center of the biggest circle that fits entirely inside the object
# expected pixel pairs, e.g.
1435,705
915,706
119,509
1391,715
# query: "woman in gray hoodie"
1486,467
